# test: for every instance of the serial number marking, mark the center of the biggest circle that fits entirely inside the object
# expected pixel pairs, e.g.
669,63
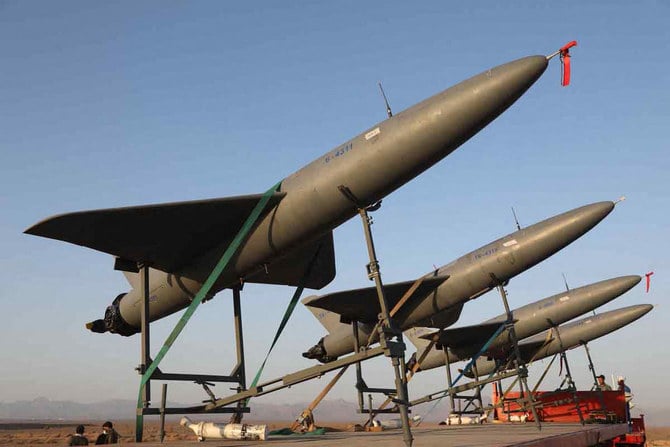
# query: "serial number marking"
488,252
340,151
547,304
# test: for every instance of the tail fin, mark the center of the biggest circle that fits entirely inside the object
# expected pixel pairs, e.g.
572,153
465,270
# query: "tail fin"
329,320
133,279
414,334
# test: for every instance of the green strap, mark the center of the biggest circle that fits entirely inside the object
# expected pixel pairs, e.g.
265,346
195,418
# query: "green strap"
287,315
220,266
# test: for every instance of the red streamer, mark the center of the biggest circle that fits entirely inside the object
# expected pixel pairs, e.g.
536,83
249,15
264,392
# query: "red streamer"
565,62
648,276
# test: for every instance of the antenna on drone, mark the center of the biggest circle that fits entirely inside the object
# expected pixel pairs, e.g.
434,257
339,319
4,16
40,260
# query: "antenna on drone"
565,281
386,101
518,227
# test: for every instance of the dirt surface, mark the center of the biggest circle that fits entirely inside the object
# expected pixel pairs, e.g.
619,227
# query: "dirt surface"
57,433
658,436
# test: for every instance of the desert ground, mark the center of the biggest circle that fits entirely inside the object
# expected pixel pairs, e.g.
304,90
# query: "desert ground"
57,433
658,436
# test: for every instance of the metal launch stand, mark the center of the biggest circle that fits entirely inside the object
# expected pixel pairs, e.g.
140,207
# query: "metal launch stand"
148,367
571,387
387,330
568,375
568,378
552,399
526,396
237,376
595,379
473,402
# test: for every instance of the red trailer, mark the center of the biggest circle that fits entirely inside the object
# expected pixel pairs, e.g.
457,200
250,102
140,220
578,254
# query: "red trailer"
573,406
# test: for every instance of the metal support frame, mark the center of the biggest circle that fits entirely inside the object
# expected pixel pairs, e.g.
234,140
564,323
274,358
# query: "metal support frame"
595,378
544,374
461,388
477,384
393,349
568,375
520,371
525,396
387,328
361,385
239,371
161,433
306,419
472,400
412,371
217,405
469,399
387,331
568,378
145,360
289,380
205,380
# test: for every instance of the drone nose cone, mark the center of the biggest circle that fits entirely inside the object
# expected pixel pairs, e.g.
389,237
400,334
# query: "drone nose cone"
612,288
543,239
474,103
619,318
590,215
521,73
578,221
625,283
640,310
597,294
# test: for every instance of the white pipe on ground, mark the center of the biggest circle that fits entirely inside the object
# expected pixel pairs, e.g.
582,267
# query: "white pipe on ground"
211,430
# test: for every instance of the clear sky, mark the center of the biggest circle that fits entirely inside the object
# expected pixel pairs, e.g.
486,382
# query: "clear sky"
106,104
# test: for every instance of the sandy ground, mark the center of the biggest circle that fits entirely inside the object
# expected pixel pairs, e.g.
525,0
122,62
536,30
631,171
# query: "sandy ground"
658,436
57,433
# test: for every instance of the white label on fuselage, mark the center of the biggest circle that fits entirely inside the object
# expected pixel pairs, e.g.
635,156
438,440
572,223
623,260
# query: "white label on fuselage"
564,298
510,243
373,133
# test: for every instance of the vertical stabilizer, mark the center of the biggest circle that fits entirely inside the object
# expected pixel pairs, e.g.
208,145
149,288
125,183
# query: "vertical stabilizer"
133,279
414,334
329,320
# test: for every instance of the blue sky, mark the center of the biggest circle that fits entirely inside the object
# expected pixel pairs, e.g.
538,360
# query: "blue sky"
106,104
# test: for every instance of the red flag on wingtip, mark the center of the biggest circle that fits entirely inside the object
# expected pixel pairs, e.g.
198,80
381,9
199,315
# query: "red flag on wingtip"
648,276
565,62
